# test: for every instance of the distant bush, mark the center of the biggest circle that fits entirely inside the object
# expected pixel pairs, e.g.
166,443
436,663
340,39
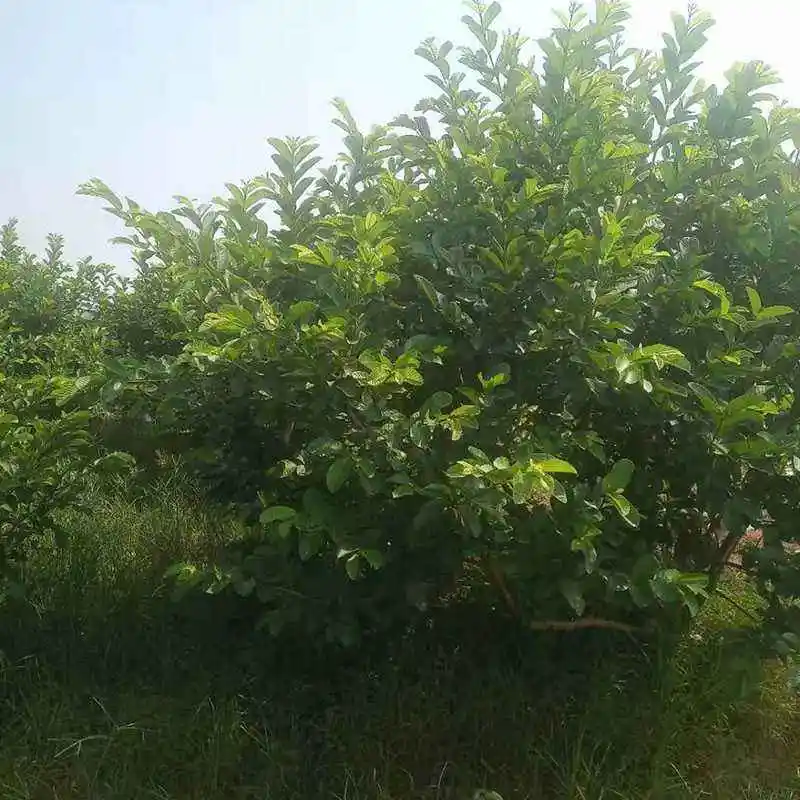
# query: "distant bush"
543,333
50,344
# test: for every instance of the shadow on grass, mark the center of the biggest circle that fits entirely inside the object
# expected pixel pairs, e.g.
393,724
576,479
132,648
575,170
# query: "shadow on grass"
108,690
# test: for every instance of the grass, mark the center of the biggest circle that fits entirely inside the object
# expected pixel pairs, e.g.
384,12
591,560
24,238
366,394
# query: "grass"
110,691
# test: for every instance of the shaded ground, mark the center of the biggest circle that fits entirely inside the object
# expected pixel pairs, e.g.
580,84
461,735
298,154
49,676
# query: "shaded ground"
107,690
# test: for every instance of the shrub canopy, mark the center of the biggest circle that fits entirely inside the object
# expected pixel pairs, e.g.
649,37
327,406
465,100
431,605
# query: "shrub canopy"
541,335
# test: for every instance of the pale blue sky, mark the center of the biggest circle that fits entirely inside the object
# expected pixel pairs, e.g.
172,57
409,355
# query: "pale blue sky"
165,97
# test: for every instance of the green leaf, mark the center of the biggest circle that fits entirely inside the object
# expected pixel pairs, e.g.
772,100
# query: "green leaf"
672,585
571,591
491,13
585,543
499,378
408,375
307,256
338,473
353,567
717,290
707,400
438,401
471,520
229,319
419,434
626,509
114,462
308,544
755,300
695,582
466,411
244,587
275,621
619,476
662,355
375,558
559,492
428,289
536,194
554,465
301,310
65,389
462,469
277,514
772,312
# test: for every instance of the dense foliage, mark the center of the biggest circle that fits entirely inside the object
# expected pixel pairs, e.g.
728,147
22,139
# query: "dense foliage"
539,340
50,338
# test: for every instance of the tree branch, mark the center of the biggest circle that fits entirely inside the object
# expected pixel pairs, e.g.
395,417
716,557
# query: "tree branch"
583,624
498,581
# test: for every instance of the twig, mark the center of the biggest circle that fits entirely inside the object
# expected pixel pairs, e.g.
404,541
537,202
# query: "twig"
736,604
736,566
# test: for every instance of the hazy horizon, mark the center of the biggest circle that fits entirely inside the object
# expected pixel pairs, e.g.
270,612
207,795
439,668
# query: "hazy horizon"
164,97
